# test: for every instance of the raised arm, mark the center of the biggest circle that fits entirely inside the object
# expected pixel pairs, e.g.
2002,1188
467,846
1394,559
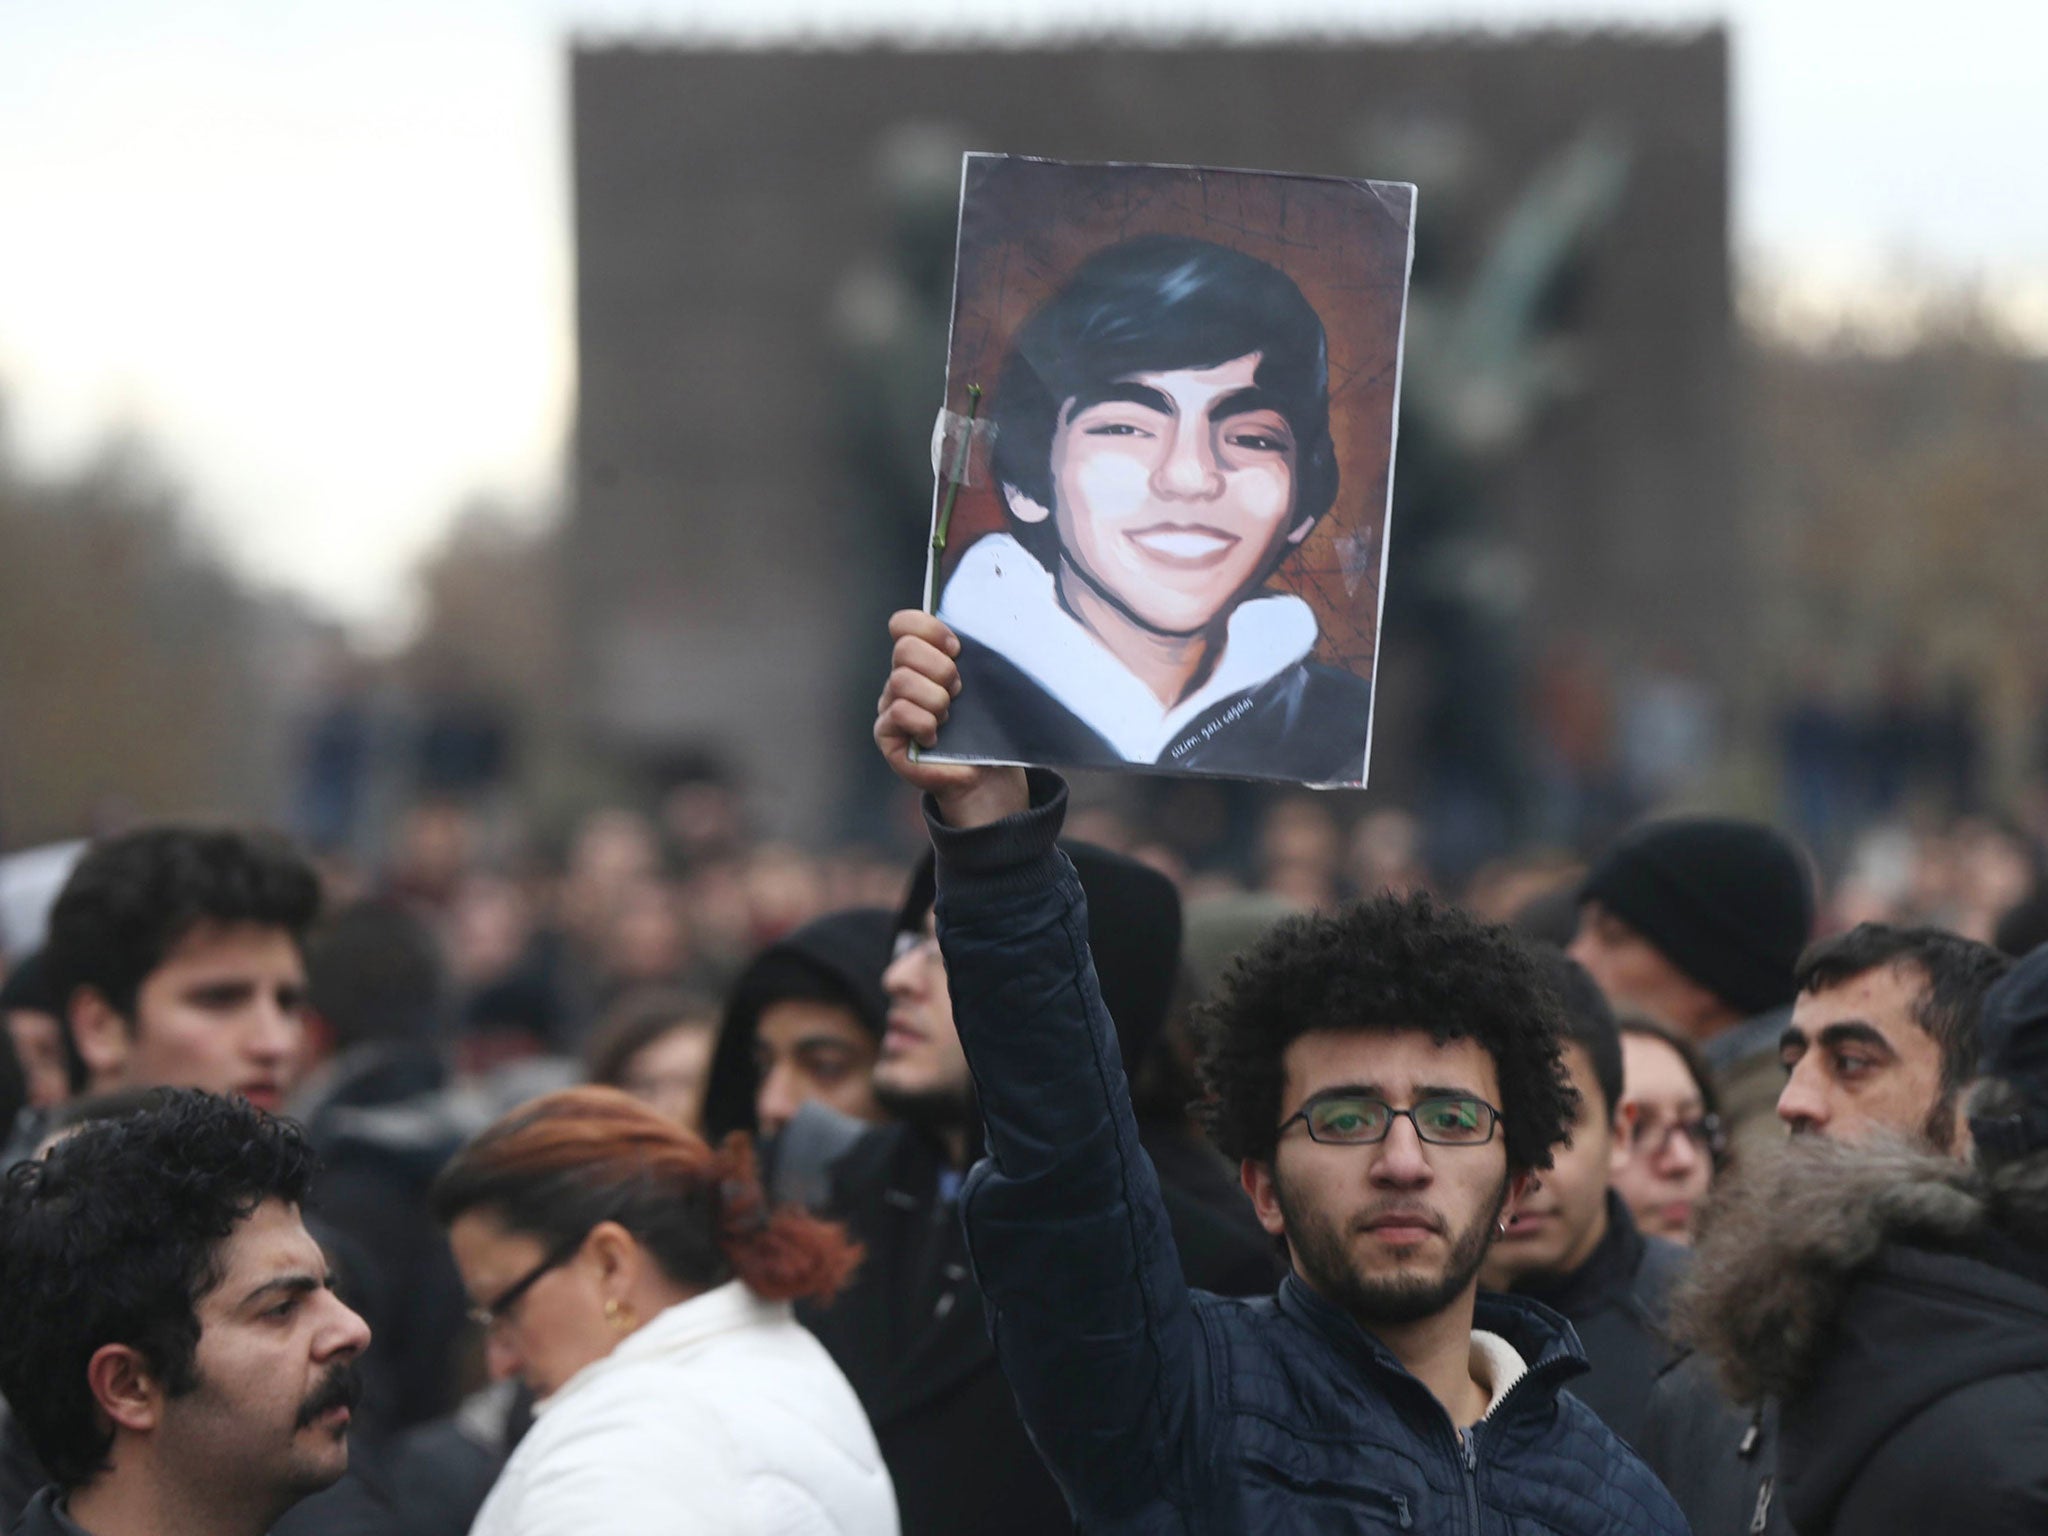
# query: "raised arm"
1090,1314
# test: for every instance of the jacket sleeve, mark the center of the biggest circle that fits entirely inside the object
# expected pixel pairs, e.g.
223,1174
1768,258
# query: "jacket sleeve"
1091,1318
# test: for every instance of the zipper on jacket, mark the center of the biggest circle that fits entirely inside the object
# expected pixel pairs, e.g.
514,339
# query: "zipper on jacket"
1762,1518
1468,1448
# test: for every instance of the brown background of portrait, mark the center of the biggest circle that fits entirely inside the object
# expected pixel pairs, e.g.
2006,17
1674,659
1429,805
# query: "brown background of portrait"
1028,224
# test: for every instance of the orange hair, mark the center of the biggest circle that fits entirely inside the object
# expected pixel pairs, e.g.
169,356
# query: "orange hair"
565,1162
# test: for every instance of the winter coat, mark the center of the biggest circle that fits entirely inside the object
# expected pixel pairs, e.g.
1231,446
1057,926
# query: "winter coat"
719,1415
1719,1461
1617,1302
1162,1409
1881,1295
1931,1410
910,1333
1040,688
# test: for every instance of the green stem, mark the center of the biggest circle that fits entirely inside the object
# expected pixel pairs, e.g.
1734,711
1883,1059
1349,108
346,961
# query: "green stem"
944,522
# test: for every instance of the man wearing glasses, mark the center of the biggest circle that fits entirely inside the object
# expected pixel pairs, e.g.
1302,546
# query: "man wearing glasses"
1387,1078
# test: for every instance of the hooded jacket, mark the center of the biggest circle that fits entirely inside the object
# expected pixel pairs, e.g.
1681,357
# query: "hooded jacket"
1897,1304
1163,1409
1040,688
841,953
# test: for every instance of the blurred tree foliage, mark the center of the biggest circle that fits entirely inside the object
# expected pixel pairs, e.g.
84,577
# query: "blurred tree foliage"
1902,482
138,676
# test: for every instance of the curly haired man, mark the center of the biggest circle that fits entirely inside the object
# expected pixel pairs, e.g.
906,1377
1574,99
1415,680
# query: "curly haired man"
1389,1080
173,1347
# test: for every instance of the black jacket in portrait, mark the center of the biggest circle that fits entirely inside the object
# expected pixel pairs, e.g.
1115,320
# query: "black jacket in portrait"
1036,687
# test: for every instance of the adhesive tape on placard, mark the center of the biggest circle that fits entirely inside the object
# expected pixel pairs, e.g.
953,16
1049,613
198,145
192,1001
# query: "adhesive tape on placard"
950,432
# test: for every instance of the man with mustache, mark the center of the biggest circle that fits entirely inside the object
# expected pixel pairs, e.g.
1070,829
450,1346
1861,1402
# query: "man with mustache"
174,1348
1162,439
1388,1079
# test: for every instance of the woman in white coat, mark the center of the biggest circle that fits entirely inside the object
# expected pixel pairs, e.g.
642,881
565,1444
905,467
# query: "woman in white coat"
634,1278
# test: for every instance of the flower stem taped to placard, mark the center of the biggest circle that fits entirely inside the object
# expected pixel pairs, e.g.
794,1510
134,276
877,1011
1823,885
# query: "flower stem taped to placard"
944,521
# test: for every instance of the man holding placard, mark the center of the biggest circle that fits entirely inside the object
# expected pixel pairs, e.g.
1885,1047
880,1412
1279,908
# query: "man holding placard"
1389,1077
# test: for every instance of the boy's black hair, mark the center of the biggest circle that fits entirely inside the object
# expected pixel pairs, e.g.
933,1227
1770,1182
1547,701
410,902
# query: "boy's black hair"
113,1238
1153,305
133,898
1379,965
28,988
1589,1022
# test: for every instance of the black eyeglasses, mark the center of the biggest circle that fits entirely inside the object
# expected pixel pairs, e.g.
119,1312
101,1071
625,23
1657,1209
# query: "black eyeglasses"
1447,1120
489,1314
1651,1135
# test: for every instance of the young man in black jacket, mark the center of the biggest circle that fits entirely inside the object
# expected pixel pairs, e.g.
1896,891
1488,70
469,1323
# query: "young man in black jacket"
1573,1245
1389,1078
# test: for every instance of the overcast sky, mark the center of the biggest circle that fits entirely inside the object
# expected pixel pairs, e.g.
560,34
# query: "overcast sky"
316,253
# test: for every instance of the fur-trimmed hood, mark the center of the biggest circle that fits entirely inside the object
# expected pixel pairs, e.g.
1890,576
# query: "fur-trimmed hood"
1861,1286
1787,1239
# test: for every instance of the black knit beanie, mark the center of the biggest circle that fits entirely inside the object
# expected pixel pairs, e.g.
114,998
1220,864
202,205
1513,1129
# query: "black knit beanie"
1730,903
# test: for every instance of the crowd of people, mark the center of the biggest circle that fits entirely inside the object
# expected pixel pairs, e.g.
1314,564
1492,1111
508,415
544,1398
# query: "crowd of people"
1065,1178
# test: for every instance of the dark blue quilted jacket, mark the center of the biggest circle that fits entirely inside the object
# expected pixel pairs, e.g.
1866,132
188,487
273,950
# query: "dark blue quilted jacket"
1161,1409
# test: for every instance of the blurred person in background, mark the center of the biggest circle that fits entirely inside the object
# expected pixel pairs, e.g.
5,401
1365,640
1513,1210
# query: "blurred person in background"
1697,922
52,1071
548,999
635,1280
656,1044
376,1110
177,955
1572,1243
646,939
1880,1047
432,851
1300,849
1504,890
1385,854
1670,1128
803,1024
1894,1301
13,1083
175,1349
